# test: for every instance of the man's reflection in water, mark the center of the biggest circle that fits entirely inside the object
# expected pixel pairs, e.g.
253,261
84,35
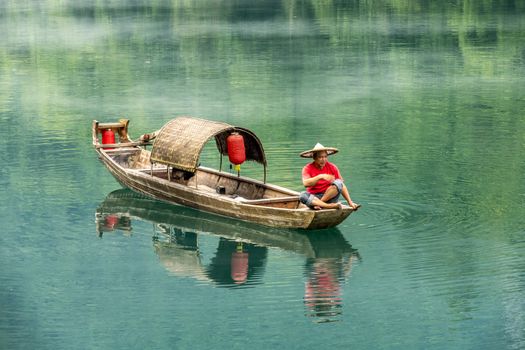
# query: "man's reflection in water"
323,287
326,274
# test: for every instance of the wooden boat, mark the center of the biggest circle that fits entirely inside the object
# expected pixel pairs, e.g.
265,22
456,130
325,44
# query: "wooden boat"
170,172
121,207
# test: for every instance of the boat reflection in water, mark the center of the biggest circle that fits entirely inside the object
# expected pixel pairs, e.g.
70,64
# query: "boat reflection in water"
234,263
241,251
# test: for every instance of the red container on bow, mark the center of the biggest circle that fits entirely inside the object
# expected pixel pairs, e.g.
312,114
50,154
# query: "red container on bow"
108,137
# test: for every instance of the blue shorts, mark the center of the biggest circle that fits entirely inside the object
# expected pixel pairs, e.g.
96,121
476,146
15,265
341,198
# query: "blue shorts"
307,198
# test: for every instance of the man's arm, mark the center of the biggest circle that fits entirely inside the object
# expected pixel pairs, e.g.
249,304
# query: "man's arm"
346,195
311,181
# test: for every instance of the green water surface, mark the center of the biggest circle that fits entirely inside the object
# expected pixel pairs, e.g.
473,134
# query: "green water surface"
424,100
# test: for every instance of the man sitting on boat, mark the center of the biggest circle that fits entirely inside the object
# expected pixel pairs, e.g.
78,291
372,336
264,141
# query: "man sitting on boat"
323,181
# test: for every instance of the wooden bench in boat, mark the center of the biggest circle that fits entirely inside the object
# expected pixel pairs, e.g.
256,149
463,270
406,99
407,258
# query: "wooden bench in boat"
289,202
292,201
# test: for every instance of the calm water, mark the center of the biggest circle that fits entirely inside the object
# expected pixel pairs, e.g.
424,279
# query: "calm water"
424,99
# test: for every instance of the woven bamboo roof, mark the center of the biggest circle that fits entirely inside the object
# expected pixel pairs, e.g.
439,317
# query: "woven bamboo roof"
179,142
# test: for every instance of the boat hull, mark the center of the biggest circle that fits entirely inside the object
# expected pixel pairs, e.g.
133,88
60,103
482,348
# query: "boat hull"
126,203
141,181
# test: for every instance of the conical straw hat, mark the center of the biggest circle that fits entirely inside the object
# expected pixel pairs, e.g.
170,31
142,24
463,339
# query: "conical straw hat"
317,148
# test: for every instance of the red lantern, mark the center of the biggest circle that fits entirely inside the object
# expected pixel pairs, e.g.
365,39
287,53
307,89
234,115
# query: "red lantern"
239,267
236,151
239,264
108,137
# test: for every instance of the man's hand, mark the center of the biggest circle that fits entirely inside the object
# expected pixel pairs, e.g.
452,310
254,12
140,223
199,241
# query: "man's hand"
353,205
327,177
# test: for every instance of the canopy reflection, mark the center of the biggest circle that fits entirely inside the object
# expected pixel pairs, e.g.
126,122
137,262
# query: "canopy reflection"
242,249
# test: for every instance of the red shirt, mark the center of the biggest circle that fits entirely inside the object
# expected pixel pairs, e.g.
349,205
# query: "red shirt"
310,170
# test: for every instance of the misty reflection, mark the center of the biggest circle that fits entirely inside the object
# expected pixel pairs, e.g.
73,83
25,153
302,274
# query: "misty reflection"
238,251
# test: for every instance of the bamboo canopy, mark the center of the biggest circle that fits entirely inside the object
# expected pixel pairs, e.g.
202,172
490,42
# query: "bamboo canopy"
179,142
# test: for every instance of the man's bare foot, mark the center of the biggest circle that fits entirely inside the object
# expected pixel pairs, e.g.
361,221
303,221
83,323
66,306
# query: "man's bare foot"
334,206
316,207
